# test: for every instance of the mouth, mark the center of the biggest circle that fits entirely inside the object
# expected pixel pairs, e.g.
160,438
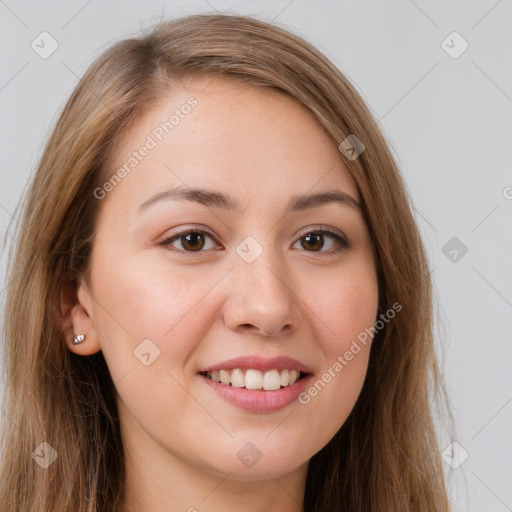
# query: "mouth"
254,379
258,384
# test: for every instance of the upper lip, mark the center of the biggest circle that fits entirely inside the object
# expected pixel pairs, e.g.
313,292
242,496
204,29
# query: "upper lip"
258,363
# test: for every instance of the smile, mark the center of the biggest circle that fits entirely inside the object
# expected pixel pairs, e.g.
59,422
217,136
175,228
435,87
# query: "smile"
254,379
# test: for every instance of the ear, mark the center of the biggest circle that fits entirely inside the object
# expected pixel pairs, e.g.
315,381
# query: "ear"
77,317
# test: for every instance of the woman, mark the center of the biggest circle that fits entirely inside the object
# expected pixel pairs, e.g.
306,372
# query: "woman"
219,298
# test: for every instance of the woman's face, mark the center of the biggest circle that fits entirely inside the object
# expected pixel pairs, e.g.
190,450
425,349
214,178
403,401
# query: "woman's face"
252,271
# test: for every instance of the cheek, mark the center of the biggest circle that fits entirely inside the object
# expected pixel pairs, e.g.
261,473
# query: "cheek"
349,314
136,302
148,327
346,307
346,310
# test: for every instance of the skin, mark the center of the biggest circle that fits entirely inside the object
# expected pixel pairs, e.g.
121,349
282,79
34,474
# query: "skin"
199,308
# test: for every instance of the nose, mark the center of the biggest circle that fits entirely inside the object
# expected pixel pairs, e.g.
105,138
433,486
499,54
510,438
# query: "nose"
262,300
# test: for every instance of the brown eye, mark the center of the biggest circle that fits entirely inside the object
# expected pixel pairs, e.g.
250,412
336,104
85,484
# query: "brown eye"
314,242
194,241
190,241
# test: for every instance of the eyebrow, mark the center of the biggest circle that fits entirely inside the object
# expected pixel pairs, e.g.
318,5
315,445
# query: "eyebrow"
216,199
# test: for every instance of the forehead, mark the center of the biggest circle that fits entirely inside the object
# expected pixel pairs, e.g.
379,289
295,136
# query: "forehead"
229,136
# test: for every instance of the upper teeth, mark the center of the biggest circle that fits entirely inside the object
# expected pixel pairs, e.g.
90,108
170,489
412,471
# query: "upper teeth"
255,379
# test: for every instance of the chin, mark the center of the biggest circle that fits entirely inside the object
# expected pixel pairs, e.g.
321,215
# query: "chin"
253,464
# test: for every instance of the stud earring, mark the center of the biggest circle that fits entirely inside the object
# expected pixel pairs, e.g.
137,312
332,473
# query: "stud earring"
78,339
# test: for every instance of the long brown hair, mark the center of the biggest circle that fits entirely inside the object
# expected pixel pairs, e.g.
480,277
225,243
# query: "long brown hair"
385,457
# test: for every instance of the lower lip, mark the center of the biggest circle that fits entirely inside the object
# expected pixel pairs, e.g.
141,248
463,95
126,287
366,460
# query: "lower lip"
258,400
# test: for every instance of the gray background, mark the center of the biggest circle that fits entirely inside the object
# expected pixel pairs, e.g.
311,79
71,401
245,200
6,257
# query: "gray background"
448,121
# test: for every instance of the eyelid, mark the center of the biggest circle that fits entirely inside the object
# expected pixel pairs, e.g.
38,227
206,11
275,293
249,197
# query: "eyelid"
325,229
193,228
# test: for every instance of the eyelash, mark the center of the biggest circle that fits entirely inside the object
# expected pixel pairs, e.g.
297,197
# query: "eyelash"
343,243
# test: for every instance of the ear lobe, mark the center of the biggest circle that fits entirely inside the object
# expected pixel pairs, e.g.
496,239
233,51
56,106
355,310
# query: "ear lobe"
75,319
